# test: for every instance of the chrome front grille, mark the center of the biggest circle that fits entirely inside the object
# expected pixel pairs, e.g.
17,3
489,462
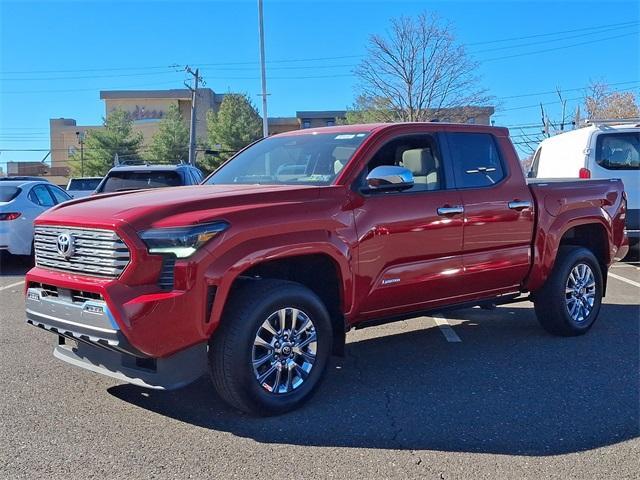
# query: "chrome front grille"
95,252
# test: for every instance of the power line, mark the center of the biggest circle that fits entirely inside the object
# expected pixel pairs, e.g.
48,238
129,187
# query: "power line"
311,59
537,105
596,27
562,90
559,48
553,40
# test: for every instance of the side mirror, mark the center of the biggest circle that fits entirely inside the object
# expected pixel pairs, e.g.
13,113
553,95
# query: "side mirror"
389,178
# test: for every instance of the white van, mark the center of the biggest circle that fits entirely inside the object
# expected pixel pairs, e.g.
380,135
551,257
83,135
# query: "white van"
601,150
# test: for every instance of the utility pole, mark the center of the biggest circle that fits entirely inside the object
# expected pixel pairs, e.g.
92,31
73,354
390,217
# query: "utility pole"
265,117
194,95
80,136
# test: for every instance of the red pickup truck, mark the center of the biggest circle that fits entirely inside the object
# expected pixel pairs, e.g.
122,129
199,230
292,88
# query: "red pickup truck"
257,274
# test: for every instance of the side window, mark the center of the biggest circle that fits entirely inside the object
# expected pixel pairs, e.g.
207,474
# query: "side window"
476,160
40,196
618,151
58,195
417,153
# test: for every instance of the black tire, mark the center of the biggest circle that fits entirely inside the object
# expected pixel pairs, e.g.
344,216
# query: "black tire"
550,301
231,346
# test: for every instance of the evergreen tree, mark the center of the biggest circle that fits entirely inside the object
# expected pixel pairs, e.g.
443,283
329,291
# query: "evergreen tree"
233,127
101,146
170,144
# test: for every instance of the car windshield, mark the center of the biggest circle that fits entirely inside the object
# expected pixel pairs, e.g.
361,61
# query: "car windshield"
8,193
311,159
83,183
122,181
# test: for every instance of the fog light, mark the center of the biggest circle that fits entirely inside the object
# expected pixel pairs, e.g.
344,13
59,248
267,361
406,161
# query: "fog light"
94,309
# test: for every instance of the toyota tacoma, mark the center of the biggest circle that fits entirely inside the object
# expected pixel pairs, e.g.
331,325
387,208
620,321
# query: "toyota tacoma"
257,274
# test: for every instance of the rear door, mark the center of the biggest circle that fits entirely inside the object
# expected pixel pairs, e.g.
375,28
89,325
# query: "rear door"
498,212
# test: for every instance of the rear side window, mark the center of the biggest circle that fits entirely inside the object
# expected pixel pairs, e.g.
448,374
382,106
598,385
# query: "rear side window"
122,181
618,151
41,196
8,193
476,160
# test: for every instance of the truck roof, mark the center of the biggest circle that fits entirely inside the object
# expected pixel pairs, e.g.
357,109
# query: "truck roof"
370,127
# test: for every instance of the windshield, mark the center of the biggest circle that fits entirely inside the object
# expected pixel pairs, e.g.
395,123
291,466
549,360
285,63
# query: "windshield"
122,181
8,193
83,183
310,159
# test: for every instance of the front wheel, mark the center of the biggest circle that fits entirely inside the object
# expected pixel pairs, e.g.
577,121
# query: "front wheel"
569,302
270,352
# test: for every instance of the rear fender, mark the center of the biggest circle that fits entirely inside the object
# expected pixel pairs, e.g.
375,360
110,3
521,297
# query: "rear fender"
549,235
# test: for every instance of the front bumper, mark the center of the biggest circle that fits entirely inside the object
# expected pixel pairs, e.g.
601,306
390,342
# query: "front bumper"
101,345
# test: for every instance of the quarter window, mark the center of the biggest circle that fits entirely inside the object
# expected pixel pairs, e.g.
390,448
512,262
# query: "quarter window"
618,151
58,195
476,160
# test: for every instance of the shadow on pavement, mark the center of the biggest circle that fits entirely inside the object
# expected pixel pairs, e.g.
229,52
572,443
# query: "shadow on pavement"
11,265
508,388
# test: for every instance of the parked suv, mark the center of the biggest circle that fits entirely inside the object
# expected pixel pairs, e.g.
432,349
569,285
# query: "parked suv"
256,275
605,149
138,177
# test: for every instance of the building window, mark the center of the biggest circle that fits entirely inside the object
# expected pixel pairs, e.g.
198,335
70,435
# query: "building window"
306,123
471,120
331,123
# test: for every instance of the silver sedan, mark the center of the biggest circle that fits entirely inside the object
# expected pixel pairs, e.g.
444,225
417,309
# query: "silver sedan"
20,203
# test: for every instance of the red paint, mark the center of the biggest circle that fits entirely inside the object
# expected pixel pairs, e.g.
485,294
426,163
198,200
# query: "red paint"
392,252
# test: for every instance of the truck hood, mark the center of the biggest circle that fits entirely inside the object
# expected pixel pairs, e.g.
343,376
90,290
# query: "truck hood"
174,206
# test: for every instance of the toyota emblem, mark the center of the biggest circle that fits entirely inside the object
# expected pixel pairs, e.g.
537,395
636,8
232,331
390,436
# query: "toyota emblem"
65,246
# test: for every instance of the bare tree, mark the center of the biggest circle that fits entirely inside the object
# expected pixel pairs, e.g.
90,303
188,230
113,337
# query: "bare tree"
601,103
415,72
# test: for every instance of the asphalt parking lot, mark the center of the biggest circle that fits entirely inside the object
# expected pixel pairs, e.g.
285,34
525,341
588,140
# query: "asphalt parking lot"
474,394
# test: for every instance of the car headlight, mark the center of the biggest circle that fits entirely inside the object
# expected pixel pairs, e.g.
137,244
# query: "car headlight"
181,241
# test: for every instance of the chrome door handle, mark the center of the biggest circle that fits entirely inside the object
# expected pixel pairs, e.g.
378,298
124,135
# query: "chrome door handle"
519,205
446,211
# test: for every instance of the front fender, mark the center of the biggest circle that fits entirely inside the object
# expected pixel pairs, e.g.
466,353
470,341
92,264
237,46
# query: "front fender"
228,267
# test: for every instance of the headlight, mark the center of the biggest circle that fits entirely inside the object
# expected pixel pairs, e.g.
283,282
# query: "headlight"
181,241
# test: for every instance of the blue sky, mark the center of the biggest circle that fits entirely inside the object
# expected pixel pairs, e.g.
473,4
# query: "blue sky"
56,56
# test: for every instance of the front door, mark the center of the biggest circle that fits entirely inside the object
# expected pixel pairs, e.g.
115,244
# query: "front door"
409,242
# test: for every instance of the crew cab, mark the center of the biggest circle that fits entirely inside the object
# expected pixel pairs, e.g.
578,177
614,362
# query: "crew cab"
257,274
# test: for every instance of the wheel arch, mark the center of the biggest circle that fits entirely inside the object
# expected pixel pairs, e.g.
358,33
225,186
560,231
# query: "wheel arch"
322,268
592,232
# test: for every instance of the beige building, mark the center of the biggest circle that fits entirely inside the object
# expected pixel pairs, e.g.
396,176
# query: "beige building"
148,107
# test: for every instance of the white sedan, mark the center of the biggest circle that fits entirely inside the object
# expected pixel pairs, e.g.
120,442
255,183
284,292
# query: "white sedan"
20,203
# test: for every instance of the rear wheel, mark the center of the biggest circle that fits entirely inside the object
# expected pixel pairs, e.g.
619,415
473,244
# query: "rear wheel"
270,352
569,302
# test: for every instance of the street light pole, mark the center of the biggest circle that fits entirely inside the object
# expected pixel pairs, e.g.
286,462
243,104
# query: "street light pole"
265,117
81,141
